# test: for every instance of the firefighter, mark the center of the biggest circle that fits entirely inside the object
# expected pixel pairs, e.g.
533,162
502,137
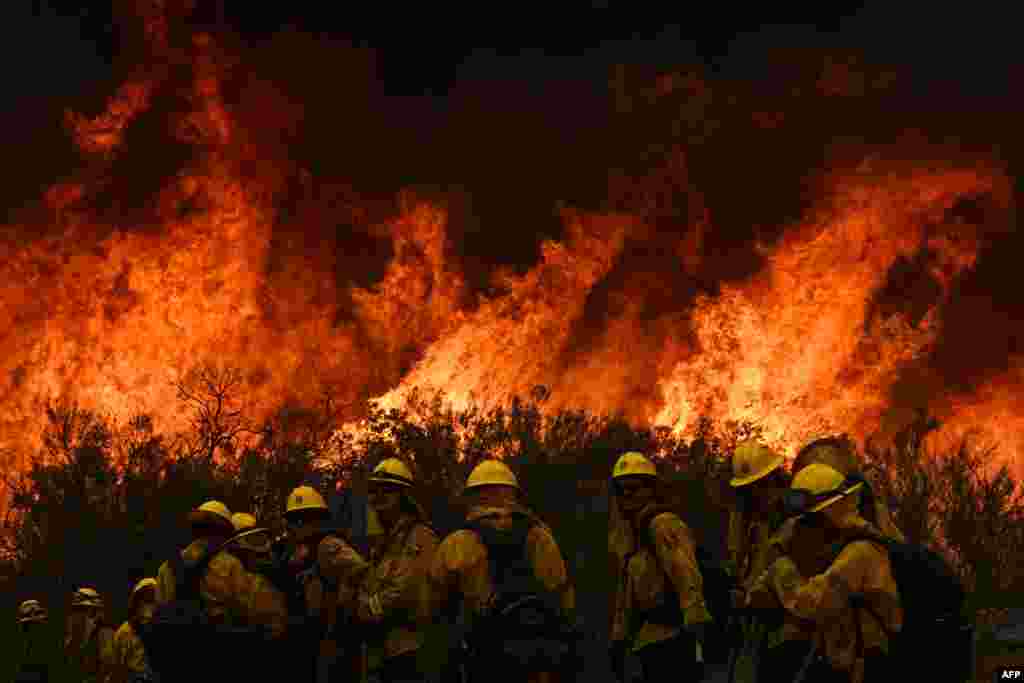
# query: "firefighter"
660,616
36,651
325,571
759,481
240,607
393,603
841,454
89,642
847,642
130,662
464,584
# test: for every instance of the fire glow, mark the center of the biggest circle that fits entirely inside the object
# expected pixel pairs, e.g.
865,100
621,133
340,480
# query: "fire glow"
109,315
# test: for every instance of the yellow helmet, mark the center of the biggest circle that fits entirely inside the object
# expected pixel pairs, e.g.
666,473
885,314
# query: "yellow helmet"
835,451
31,611
212,512
242,521
249,535
146,583
86,597
304,498
491,472
633,464
392,471
823,485
753,461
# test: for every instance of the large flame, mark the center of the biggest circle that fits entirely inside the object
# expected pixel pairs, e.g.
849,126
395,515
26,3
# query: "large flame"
110,314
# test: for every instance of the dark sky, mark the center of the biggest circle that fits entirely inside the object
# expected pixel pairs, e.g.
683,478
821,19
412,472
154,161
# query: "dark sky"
56,45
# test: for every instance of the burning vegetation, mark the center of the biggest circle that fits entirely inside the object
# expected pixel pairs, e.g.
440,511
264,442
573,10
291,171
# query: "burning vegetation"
259,269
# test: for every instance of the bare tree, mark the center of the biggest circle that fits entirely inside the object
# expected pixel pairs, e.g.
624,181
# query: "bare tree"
218,418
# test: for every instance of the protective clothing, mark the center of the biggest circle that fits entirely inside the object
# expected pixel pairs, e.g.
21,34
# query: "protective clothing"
650,567
31,611
86,597
459,574
242,521
846,636
325,571
840,454
753,461
212,513
633,464
138,592
34,662
129,656
305,498
89,642
824,485
392,471
251,542
491,472
836,452
642,575
754,521
231,595
750,529
393,597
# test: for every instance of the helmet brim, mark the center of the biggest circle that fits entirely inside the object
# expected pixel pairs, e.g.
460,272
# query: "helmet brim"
395,481
830,501
247,535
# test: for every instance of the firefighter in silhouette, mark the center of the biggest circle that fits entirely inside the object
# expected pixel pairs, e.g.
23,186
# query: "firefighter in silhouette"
36,645
660,616
847,641
325,571
130,662
393,603
759,482
503,576
206,582
89,641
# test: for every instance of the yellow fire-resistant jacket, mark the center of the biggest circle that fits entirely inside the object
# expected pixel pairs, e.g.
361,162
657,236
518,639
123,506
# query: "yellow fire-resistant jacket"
642,577
459,569
750,548
93,661
861,568
231,594
129,654
394,595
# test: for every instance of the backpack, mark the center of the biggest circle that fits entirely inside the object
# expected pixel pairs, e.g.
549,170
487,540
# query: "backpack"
935,638
717,587
180,633
522,625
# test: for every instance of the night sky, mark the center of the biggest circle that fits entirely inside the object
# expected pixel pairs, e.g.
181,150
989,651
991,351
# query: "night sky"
426,48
